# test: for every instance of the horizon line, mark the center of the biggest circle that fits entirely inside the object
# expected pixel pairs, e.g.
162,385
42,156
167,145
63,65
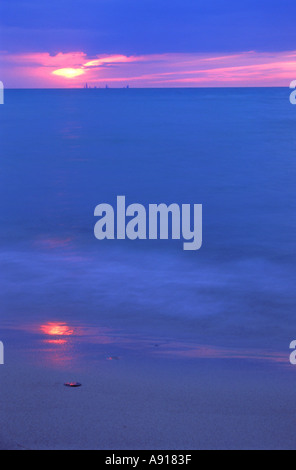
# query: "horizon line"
148,87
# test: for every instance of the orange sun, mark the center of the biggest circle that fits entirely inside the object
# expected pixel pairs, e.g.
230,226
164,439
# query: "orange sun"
69,73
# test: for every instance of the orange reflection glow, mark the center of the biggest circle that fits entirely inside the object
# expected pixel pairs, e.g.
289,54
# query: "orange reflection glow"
64,342
59,349
57,329
55,341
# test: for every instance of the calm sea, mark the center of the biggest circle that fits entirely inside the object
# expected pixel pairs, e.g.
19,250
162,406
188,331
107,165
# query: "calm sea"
232,150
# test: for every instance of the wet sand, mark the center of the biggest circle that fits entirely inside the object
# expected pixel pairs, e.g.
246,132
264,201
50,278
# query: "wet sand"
148,404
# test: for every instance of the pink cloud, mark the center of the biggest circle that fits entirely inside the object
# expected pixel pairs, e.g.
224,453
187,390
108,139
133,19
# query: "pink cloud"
109,60
162,70
44,59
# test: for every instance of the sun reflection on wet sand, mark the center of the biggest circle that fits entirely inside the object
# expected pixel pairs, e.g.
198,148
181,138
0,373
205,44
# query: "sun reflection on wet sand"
57,329
59,344
64,344
59,349
56,341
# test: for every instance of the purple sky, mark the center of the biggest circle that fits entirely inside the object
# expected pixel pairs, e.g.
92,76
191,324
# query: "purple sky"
147,42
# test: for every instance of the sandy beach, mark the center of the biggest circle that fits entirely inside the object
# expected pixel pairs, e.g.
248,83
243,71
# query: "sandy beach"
142,400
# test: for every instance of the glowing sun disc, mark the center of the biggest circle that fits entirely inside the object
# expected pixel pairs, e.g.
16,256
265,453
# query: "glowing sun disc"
69,73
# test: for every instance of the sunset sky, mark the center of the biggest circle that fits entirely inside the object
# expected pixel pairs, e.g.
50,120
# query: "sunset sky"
147,43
